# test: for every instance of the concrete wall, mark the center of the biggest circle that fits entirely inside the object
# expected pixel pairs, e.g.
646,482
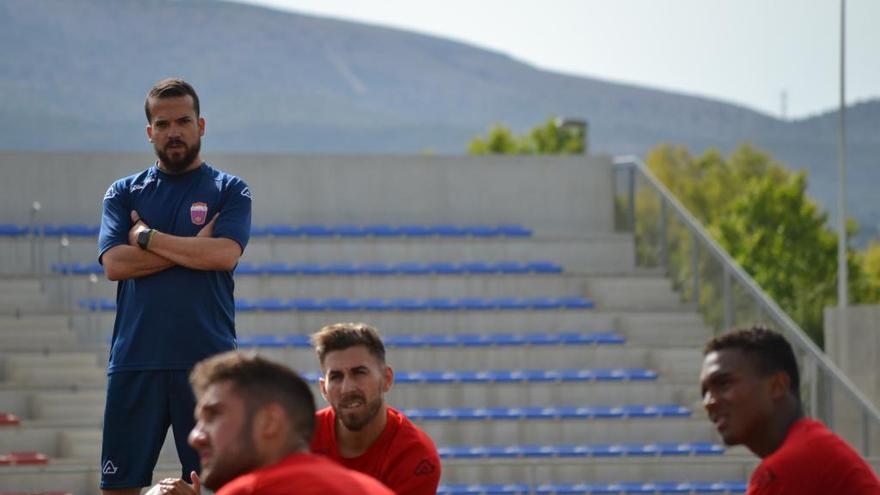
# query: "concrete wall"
552,195
857,350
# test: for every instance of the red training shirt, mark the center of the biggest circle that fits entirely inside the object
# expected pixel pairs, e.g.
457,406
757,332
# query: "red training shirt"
403,457
304,474
813,461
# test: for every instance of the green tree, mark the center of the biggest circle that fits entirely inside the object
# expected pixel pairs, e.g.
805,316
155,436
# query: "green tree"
760,213
546,139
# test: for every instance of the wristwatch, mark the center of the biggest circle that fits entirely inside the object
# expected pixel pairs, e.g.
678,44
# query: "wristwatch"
144,237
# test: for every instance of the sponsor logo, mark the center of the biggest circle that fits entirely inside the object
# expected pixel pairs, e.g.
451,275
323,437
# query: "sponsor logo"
109,468
110,194
246,192
198,213
424,467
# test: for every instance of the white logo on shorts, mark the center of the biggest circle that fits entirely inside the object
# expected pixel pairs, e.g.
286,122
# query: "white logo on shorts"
109,468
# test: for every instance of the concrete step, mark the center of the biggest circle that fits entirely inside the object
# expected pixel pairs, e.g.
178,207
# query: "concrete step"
34,340
83,441
731,466
65,368
569,431
34,322
675,364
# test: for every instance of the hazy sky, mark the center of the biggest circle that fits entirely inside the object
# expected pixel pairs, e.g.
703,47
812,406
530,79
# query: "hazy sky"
742,51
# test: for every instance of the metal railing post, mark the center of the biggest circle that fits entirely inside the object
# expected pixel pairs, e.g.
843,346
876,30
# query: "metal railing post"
664,241
32,236
695,268
631,201
728,298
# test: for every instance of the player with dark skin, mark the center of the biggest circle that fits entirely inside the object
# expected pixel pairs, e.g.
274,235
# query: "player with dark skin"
751,391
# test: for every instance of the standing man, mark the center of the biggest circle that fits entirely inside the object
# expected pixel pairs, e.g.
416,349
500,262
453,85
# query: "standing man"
255,419
751,390
359,430
171,235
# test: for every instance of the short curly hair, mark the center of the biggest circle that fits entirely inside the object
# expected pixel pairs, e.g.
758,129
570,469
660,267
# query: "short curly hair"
767,348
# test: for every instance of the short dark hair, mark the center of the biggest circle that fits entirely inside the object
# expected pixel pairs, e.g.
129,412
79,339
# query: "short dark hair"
170,88
341,336
768,350
260,381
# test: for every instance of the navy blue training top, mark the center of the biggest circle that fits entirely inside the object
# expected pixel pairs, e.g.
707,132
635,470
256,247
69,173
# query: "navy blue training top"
172,319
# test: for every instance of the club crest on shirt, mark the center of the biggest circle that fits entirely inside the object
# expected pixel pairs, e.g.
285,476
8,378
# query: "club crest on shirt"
198,213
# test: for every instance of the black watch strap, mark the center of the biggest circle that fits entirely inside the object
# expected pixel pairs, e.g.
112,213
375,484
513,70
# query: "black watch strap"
144,236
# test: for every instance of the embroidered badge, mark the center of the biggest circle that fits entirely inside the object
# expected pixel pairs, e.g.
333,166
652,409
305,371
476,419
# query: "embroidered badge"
198,213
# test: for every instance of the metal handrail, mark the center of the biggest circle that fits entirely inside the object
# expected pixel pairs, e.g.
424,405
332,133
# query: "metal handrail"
798,337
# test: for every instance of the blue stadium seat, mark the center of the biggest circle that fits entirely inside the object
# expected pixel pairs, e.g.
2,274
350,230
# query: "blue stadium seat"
340,304
342,268
542,303
279,230
315,230
12,230
308,269
444,268
307,304
410,269
258,231
381,230
447,230
272,304
481,230
407,304
376,268
245,268
543,267
511,267
296,340
348,231
478,268
260,341
275,268
574,302
507,303
376,305
242,305
512,230
474,304
415,231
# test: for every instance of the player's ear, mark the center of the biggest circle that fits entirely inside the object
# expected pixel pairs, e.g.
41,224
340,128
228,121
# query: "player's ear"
201,126
780,383
389,378
322,384
149,133
270,421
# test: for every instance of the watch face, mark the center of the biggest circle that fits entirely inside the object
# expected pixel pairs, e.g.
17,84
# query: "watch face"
143,238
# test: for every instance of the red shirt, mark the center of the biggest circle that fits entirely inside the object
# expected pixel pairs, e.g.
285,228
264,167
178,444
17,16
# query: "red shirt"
813,461
403,457
304,474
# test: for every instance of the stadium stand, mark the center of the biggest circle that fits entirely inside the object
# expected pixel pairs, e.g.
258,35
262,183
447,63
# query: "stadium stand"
523,336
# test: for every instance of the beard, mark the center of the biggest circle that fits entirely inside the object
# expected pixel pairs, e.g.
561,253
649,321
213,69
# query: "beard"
184,160
231,464
356,421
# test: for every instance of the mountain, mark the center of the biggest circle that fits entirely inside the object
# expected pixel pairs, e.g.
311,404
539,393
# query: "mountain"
76,71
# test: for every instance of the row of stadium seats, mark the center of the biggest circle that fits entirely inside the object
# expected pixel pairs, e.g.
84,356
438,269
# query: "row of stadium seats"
312,230
617,488
515,375
586,450
398,304
345,268
452,340
23,459
519,413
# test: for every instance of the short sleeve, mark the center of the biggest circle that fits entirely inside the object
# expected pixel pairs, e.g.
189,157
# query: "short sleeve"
234,221
115,219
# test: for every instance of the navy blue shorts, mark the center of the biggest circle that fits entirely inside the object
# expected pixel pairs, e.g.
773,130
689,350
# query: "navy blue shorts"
140,407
